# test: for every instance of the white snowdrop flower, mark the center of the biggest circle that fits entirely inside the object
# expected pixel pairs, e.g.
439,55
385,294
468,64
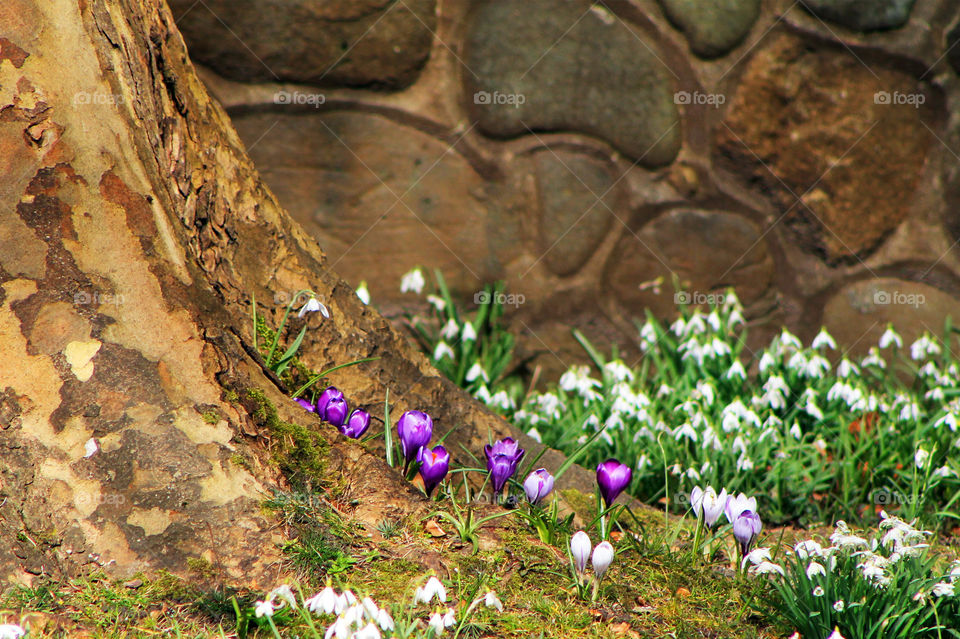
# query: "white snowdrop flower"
706,391
935,395
346,601
823,340
767,568
370,607
363,292
739,445
693,474
90,448
502,400
720,348
437,302
839,605
744,463
789,339
490,600
450,330
664,391
370,631
835,634
449,619
757,556
795,431
814,569
730,423
285,594
797,362
618,371
873,358
676,469
692,349
736,317
768,433
324,601
813,410
483,394
312,306
442,350
413,281
476,372
808,548
11,631
921,457
943,589
944,471
711,440
686,431
889,337
384,620
535,435
736,370
679,327
847,369
436,624
263,608
648,334
695,324
909,412
644,462
433,588
817,367
923,348
949,419
766,362
818,591
713,319
848,541
469,333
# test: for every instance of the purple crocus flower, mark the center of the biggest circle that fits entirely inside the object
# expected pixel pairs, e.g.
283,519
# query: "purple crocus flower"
307,405
434,465
746,527
538,485
414,430
330,392
335,412
356,425
612,477
502,459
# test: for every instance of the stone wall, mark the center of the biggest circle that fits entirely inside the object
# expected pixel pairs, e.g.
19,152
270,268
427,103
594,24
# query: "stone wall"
807,154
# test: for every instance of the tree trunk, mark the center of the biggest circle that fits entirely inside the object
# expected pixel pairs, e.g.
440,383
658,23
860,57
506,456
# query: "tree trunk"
134,232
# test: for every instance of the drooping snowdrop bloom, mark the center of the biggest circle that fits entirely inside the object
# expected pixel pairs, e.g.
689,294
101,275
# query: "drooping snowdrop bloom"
839,605
11,631
823,340
686,430
433,588
736,370
363,293
476,372
580,547
490,600
437,302
767,568
923,347
312,306
846,368
468,333
284,594
766,362
789,340
442,350
263,608
874,358
943,589
808,548
921,457
324,601
618,371
757,556
413,281
889,337
450,330
814,569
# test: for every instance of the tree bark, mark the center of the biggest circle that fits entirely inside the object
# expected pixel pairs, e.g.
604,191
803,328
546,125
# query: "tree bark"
134,232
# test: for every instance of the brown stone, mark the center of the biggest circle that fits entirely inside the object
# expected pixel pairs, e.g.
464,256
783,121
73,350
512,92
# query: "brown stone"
349,42
817,124
577,206
707,252
858,315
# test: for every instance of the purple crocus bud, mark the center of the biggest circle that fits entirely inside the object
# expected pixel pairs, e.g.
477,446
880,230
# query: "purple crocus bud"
308,406
434,465
613,477
414,429
538,485
580,549
501,469
329,393
335,412
746,527
356,424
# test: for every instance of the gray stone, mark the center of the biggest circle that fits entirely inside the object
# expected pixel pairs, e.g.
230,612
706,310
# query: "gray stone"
544,65
712,27
576,201
863,15
379,43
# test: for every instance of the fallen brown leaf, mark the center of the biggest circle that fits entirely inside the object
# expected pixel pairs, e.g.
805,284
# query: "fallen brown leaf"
433,529
683,592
